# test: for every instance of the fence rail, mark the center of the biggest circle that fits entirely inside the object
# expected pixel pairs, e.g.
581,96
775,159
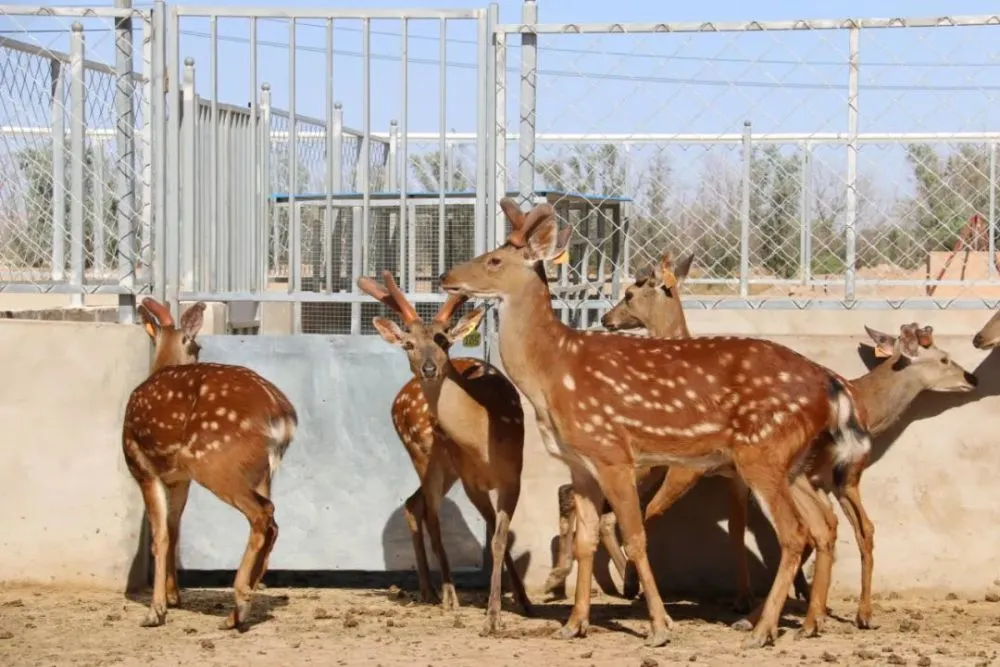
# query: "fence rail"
806,164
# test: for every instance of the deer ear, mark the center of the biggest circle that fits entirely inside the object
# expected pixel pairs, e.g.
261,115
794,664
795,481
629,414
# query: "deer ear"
925,336
885,345
149,321
466,325
192,319
388,330
909,345
548,242
665,270
683,267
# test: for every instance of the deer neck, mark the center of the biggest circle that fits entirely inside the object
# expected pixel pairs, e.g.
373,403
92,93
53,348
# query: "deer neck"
666,325
162,359
530,337
886,394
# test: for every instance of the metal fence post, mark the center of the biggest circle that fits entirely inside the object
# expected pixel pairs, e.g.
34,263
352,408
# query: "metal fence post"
483,131
745,211
265,187
145,245
97,184
993,211
158,152
529,73
499,136
77,154
805,215
171,254
189,119
851,204
331,158
125,182
58,172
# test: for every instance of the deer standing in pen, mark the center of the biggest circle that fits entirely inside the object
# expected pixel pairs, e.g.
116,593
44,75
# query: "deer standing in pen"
223,426
606,404
459,419
912,363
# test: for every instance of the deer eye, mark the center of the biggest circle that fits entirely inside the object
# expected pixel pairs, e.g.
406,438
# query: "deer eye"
494,261
407,345
441,340
628,296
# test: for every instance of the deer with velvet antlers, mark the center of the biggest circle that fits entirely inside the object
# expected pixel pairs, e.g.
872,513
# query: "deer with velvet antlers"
459,419
910,364
606,404
223,426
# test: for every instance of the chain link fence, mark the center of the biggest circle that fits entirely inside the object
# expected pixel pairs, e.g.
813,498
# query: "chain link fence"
805,163
74,151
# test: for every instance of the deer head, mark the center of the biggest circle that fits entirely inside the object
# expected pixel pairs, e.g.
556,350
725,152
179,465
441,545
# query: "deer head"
426,343
534,238
914,349
172,346
654,301
988,337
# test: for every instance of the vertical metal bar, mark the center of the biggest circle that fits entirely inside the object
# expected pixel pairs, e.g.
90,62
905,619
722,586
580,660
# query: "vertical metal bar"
158,150
360,261
255,242
745,212
146,154
331,156
406,240
443,165
97,185
218,268
264,178
172,98
295,228
529,73
805,215
340,216
482,132
993,212
125,183
500,138
851,205
392,185
188,123
58,172
77,148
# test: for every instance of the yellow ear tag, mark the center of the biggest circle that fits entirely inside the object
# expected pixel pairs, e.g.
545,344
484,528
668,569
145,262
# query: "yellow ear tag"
561,258
881,353
669,279
472,339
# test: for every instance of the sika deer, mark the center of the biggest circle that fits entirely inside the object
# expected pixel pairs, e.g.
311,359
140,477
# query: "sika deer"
458,419
912,364
225,427
607,403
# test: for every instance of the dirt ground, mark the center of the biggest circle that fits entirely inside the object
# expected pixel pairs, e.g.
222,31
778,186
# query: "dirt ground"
62,626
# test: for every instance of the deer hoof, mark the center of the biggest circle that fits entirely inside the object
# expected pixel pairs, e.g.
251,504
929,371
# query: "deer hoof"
863,620
571,630
154,618
449,597
758,640
742,625
658,637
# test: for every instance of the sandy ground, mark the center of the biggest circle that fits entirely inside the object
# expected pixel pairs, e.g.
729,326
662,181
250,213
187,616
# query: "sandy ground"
62,626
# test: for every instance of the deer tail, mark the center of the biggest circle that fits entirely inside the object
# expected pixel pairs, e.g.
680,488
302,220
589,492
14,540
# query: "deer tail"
851,441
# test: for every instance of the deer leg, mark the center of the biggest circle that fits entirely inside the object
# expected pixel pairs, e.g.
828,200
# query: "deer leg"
264,489
177,495
507,503
436,485
259,512
606,530
864,534
738,495
676,483
618,483
815,512
802,587
587,498
564,554
415,512
155,497
774,496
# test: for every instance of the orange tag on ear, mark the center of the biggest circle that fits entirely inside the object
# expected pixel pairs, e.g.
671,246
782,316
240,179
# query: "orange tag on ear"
669,279
150,330
881,353
561,258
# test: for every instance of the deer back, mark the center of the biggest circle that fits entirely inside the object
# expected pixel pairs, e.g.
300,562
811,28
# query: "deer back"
652,402
189,412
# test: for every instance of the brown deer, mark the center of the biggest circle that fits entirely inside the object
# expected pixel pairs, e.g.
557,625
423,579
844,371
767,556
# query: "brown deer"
988,337
606,404
223,426
913,363
459,419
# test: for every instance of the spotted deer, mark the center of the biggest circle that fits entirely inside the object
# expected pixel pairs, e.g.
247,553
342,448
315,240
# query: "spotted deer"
223,426
912,363
459,419
607,403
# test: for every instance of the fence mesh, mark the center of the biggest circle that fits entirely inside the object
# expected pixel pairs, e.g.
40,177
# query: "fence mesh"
36,165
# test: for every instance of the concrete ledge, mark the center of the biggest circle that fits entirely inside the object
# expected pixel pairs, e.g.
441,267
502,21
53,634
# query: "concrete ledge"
71,512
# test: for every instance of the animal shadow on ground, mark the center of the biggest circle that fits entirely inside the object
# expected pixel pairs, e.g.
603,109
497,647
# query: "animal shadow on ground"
217,601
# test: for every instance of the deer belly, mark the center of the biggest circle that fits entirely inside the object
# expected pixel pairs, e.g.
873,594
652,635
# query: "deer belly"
714,461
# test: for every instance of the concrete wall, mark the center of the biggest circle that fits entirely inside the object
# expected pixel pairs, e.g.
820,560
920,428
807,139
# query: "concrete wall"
71,511
931,491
